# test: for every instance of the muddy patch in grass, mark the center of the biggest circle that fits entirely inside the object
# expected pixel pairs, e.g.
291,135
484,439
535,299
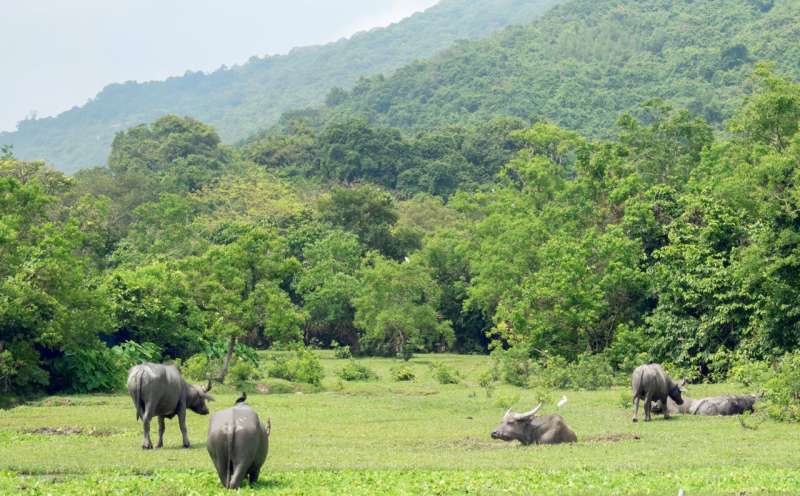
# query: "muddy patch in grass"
612,438
68,431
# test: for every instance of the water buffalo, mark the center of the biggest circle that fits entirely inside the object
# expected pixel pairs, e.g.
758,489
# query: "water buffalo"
160,391
528,429
651,383
238,443
712,406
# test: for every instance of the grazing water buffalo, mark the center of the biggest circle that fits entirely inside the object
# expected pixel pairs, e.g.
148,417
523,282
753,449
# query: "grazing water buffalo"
238,443
528,429
712,406
651,383
160,391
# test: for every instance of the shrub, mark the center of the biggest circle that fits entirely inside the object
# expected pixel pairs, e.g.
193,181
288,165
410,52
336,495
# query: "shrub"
131,353
241,373
197,368
513,365
589,372
302,365
778,385
625,399
782,390
506,402
751,374
592,372
90,370
487,381
445,374
354,371
342,352
403,373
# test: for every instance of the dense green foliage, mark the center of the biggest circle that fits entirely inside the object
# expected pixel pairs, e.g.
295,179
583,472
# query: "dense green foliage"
587,61
242,99
579,260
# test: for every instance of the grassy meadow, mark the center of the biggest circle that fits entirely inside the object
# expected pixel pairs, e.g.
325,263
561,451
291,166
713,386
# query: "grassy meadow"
387,437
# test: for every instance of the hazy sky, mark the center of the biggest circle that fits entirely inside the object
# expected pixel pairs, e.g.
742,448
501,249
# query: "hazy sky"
58,53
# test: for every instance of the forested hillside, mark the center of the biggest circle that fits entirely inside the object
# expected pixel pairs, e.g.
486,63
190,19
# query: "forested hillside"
243,99
586,61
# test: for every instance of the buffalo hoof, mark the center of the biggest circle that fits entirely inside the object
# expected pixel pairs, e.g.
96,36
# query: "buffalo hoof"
147,446
159,446
187,445
635,420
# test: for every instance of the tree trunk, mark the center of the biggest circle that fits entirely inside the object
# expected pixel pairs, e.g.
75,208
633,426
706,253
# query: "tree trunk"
226,363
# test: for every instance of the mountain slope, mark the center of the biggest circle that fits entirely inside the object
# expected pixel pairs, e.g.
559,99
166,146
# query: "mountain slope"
586,61
243,99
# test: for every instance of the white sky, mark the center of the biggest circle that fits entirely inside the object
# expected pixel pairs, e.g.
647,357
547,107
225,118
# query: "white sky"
56,54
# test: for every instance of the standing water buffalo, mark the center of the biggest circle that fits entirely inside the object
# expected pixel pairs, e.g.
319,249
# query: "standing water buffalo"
528,429
160,391
712,406
238,443
651,383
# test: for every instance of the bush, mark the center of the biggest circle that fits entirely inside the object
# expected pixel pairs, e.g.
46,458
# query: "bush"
342,352
751,374
506,402
588,372
592,372
302,365
90,370
445,374
197,368
354,371
782,390
241,373
403,373
778,385
131,353
487,381
513,365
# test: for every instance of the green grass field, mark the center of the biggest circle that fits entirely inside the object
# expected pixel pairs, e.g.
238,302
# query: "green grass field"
386,437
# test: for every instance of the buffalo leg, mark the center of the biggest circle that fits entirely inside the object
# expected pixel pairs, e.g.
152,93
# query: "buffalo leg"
146,443
666,409
182,424
635,407
161,428
237,477
648,405
254,475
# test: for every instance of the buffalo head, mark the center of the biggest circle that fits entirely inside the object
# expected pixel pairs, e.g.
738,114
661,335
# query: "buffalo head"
196,397
515,426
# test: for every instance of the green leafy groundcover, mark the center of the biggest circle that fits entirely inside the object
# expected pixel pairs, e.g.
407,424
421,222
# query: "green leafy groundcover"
744,480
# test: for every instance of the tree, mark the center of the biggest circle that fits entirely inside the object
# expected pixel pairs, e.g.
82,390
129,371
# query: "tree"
328,283
49,302
351,151
396,309
239,287
367,211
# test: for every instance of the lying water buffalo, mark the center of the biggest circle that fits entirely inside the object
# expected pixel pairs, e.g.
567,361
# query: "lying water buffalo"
238,443
651,383
712,406
528,429
160,391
